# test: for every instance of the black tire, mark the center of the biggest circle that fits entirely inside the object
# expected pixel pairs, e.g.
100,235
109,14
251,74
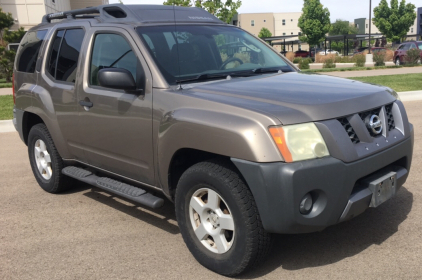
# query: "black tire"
251,243
58,182
397,62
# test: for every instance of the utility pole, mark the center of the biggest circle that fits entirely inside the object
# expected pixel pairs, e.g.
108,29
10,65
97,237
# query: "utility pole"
370,23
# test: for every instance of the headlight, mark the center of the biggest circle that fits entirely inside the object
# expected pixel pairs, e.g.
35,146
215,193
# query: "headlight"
299,142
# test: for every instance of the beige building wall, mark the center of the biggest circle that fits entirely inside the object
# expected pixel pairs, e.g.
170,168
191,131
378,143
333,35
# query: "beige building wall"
374,29
279,24
286,23
253,23
28,13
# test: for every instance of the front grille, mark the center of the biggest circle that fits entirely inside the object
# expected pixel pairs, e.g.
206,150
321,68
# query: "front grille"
366,115
389,117
349,129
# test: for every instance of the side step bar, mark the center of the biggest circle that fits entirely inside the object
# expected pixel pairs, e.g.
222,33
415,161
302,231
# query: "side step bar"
113,186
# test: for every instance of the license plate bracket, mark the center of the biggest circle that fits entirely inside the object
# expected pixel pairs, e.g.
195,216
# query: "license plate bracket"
383,188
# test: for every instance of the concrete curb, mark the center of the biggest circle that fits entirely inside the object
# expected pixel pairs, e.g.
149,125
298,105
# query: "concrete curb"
410,95
7,125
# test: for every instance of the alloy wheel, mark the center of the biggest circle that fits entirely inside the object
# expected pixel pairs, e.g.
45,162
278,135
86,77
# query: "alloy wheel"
212,220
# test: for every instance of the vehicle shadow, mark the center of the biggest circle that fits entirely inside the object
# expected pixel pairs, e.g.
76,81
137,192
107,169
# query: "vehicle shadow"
163,218
373,227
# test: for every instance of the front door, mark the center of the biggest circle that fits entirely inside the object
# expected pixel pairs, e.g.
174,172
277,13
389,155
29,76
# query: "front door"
116,132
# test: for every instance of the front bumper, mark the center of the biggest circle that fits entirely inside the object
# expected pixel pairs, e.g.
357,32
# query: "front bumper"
279,187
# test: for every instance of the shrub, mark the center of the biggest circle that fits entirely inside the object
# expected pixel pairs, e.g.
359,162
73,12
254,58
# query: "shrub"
413,56
360,60
389,55
379,58
329,63
290,56
297,59
322,58
304,63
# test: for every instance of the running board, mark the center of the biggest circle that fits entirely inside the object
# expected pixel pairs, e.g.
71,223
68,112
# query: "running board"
124,190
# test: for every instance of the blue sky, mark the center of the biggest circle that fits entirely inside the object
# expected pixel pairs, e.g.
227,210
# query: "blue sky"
339,9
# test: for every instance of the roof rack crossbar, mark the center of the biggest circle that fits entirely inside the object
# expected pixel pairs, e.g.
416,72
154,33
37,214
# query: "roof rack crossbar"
71,14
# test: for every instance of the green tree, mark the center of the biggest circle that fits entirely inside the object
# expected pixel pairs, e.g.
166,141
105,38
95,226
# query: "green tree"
13,36
314,22
7,58
224,10
394,21
265,33
342,27
6,21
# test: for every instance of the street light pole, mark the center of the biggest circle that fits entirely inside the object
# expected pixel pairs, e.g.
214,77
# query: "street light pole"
370,23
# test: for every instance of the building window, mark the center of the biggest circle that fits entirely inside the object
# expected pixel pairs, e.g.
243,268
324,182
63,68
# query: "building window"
284,33
252,23
300,33
284,22
265,20
292,33
366,25
411,30
291,20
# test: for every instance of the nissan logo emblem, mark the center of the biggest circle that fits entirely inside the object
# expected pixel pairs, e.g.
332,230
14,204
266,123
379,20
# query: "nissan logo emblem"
374,124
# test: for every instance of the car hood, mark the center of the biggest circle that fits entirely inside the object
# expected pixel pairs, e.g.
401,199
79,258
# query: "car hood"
296,97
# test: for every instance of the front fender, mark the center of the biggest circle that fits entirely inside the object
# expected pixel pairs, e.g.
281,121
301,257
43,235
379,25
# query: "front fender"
228,134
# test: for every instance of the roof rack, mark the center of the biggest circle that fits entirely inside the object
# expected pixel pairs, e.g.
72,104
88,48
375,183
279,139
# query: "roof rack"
143,14
116,11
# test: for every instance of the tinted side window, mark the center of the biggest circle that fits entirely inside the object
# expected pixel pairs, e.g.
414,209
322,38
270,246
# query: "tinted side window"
64,54
52,62
69,54
111,51
28,53
406,47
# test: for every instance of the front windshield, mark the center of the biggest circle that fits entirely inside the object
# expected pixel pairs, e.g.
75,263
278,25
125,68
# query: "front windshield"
185,52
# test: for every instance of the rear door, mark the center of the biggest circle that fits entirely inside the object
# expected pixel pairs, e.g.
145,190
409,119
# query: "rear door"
116,132
56,82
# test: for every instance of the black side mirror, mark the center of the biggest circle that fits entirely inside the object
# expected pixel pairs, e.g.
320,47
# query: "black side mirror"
117,78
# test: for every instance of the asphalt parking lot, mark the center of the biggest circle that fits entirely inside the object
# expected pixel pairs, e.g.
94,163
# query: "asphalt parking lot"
89,234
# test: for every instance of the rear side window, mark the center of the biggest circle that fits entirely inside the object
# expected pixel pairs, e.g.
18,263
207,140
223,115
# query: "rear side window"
64,54
29,50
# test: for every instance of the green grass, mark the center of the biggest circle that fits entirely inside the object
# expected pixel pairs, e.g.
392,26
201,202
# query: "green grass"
5,85
357,68
6,107
404,82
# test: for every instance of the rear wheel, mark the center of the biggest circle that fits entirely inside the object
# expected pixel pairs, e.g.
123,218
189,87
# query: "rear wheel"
219,220
46,162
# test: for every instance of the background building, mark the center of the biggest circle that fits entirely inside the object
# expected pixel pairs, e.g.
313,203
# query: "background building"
28,13
279,24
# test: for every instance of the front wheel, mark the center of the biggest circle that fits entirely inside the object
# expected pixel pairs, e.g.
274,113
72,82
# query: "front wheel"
219,220
398,61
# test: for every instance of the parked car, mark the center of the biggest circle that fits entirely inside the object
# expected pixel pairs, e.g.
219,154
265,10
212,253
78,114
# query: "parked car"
147,102
401,52
329,51
301,53
315,50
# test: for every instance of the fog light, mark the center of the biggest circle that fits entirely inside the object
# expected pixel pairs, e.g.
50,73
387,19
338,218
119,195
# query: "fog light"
306,204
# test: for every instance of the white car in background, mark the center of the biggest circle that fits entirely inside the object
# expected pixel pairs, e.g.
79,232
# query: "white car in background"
328,52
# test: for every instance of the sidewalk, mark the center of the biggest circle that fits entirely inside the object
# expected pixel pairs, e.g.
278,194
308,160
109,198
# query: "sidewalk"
371,73
6,91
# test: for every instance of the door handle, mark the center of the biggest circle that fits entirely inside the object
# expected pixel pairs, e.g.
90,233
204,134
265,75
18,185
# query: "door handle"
86,103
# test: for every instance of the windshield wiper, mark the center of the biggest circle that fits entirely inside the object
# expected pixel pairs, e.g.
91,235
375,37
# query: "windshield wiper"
203,77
